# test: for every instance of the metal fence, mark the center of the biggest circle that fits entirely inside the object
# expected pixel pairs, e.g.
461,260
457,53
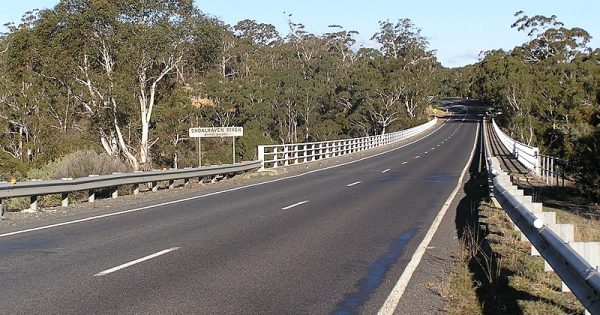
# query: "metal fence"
527,155
34,189
273,156
552,170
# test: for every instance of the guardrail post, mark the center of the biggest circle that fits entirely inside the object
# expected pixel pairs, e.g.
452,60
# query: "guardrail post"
261,156
1,208
115,192
136,189
33,204
154,186
286,155
171,184
65,199
91,196
275,158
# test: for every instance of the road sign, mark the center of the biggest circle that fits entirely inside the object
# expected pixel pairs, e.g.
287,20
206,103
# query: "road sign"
216,132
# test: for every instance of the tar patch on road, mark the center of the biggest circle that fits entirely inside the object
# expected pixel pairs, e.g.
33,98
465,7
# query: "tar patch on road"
391,176
352,302
440,178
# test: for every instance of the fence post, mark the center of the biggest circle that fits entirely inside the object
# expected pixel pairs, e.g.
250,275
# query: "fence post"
33,204
65,199
261,156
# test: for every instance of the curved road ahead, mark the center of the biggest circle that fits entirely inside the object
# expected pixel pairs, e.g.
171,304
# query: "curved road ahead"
334,240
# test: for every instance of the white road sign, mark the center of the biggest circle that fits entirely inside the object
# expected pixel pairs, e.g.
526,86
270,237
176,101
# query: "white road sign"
216,132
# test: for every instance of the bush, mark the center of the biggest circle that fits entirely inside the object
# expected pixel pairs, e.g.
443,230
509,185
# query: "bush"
80,163
586,165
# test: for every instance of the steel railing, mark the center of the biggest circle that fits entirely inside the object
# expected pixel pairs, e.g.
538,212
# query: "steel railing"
36,188
527,155
288,154
581,278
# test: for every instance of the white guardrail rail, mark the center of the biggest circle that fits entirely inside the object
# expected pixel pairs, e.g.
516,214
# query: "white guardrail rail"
578,274
527,155
288,154
36,188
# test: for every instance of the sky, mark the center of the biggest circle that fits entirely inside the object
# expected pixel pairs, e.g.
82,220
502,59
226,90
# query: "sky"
457,29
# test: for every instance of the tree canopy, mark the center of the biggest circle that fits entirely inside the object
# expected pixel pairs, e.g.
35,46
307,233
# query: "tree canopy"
130,77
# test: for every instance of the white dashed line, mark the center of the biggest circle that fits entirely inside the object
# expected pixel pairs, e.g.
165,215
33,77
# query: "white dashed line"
418,156
403,163
385,171
294,205
354,184
137,261
426,152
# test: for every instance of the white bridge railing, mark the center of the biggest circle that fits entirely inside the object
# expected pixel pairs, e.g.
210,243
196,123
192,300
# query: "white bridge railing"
288,154
525,154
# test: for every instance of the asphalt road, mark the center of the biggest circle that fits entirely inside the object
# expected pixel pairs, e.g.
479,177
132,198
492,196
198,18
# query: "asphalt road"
328,241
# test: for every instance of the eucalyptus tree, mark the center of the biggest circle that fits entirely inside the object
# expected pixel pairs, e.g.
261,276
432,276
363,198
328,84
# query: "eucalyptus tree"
410,65
118,58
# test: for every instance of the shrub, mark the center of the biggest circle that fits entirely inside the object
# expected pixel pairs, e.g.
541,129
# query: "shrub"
80,163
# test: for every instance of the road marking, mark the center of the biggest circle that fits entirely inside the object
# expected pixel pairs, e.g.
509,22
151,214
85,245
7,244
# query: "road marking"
215,193
294,205
386,170
137,261
354,184
426,152
392,300
403,163
418,156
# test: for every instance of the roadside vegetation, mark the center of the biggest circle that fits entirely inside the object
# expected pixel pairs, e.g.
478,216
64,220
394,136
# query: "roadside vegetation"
494,272
129,78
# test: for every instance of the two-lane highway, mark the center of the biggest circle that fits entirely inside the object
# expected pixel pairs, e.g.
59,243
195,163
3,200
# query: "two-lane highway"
335,240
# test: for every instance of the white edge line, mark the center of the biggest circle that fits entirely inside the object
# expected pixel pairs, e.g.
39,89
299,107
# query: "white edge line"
45,227
137,261
392,300
386,170
354,184
294,205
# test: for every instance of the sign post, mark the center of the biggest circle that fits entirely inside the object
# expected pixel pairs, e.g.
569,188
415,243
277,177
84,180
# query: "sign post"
215,132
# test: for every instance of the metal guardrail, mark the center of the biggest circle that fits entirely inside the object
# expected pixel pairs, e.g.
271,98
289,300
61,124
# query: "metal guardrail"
525,154
288,154
581,278
36,188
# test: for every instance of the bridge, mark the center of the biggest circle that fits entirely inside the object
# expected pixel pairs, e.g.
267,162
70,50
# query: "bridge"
345,233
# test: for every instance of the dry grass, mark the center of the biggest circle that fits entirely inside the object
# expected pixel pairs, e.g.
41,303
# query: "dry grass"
512,283
586,230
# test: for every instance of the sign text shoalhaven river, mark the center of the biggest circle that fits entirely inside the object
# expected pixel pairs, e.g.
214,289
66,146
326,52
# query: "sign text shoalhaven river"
216,132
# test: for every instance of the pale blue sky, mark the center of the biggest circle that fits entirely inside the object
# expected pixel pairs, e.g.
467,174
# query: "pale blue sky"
458,29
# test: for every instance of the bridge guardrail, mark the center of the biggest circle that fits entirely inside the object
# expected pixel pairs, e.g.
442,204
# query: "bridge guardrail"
525,154
581,278
37,188
288,154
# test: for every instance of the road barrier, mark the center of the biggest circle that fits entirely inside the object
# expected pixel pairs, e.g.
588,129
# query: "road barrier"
527,155
36,188
273,156
579,275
